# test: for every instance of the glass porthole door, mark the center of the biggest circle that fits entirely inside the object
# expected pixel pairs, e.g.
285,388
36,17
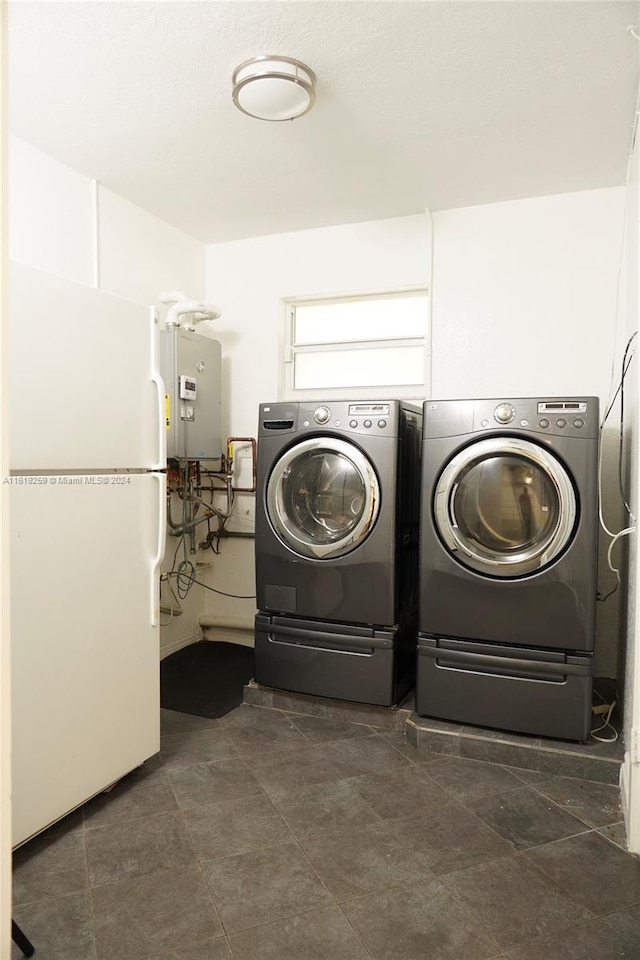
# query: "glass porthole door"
505,507
323,498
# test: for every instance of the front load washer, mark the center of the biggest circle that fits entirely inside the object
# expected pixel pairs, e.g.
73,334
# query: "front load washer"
337,548
508,563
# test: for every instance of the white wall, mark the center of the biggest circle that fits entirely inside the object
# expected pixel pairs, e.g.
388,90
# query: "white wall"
50,214
5,659
524,296
249,279
59,221
142,257
630,778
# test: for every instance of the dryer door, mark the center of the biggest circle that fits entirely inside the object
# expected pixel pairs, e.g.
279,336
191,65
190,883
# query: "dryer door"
505,507
323,498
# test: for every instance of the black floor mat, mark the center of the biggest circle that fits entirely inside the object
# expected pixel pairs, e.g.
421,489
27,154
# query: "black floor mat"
206,678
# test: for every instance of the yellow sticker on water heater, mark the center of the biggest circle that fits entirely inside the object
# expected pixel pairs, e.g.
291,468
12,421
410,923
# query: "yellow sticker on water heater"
167,410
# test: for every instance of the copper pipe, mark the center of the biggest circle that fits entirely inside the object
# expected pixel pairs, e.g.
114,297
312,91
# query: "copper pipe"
253,443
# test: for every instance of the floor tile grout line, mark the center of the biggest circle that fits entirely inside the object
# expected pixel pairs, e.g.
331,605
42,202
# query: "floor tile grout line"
560,806
355,932
531,788
334,899
332,740
87,825
624,850
491,829
336,903
381,733
559,931
379,819
629,906
321,881
281,815
550,774
571,836
450,893
292,916
212,898
549,880
94,926
111,824
485,796
55,899
289,916
248,853
524,943
230,947
189,836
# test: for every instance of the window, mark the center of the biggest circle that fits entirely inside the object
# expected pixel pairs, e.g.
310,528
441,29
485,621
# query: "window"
357,345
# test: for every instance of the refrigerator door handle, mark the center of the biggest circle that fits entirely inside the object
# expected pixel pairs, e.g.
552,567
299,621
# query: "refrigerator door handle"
157,559
160,392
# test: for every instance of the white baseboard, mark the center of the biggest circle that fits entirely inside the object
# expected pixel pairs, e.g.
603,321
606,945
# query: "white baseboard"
630,796
624,790
178,644
241,635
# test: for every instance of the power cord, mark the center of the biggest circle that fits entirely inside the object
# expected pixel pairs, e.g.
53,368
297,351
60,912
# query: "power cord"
605,710
626,362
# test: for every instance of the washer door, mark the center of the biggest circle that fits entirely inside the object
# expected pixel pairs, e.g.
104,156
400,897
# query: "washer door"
505,507
323,498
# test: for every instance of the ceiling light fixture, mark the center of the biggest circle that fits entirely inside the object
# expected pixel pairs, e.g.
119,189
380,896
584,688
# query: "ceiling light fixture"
273,88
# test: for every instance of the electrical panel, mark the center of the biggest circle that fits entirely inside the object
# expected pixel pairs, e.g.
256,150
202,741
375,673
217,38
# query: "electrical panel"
191,367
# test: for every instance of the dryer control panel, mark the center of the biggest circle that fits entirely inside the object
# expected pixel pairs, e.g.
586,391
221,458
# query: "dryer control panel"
379,418
570,416
563,414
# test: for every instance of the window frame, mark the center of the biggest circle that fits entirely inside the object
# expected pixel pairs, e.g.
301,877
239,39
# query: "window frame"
289,349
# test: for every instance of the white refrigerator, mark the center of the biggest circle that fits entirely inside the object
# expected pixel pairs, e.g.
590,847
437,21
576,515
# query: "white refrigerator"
87,526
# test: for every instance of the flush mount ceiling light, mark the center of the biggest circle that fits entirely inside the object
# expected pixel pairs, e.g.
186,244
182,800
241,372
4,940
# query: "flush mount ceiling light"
273,88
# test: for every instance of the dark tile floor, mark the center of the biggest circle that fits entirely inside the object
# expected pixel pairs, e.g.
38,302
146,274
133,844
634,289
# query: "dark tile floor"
269,835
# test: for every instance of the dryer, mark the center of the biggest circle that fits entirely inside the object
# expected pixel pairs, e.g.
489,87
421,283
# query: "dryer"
508,563
337,548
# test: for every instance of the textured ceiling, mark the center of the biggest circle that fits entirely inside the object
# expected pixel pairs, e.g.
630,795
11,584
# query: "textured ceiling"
419,104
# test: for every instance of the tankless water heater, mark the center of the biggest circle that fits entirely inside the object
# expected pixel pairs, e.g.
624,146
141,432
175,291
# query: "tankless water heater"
191,367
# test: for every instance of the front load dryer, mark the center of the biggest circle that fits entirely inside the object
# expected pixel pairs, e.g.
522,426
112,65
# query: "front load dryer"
508,558
337,548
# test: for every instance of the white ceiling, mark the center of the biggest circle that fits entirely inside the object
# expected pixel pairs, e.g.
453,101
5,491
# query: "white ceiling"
419,104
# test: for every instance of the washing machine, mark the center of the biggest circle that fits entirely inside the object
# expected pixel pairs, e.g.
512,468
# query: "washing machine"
337,520
508,563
